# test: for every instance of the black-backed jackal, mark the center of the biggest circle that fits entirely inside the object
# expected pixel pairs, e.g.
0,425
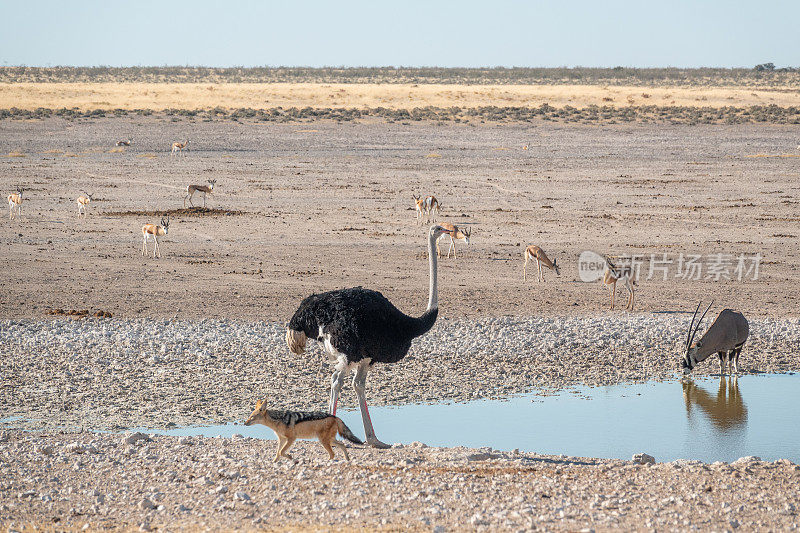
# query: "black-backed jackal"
292,425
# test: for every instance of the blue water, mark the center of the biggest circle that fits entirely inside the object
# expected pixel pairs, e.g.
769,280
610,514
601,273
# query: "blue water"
708,419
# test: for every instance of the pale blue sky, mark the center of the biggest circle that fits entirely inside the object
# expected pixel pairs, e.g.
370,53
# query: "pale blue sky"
602,33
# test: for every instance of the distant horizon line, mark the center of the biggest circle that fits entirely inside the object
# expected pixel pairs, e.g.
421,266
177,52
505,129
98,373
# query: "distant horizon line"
405,67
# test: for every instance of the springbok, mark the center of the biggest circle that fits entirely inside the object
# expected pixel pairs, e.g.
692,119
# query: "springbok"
124,143
725,337
83,202
15,202
534,252
612,274
179,147
426,206
455,234
151,230
205,189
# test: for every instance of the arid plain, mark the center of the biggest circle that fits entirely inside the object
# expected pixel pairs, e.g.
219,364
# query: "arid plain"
303,206
322,206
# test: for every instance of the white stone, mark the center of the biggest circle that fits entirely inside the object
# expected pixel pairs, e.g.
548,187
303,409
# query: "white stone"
643,459
747,459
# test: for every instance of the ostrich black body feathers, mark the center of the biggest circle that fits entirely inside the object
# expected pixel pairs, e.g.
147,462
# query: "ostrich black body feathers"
361,324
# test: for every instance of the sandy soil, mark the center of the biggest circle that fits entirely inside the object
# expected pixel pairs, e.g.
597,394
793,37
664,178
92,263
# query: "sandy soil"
90,96
326,206
65,482
196,335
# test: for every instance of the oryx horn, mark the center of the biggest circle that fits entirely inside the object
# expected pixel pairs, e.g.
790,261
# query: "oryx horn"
691,324
697,327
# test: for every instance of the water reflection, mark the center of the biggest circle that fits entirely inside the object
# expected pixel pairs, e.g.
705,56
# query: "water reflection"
726,410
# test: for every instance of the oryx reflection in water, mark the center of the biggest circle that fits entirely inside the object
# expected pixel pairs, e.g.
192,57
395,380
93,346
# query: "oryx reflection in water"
725,411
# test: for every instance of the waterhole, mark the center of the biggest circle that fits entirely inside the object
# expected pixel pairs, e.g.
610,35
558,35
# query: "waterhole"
707,419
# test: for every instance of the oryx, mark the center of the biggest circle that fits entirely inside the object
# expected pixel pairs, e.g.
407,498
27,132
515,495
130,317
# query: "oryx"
725,337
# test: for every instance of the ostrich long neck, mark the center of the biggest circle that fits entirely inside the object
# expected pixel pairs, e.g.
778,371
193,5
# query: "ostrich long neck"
433,289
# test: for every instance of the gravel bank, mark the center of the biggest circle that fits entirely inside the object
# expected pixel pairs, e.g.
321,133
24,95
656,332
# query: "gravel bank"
66,481
116,374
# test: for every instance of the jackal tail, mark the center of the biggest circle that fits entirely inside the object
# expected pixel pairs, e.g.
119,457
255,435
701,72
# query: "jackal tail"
345,432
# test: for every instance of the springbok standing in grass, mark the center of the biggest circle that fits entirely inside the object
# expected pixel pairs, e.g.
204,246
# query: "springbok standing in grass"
205,189
124,143
83,202
179,147
612,274
455,234
426,206
534,252
151,230
725,337
15,203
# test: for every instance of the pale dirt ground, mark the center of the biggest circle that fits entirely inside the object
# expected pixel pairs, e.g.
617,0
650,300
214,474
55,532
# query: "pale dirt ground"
64,482
329,206
89,96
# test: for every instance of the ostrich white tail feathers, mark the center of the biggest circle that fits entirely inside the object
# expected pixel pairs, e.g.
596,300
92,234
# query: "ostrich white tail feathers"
296,340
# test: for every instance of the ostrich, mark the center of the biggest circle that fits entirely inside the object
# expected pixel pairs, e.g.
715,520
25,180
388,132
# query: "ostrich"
358,328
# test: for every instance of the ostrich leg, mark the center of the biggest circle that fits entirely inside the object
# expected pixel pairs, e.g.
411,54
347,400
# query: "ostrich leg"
337,380
359,383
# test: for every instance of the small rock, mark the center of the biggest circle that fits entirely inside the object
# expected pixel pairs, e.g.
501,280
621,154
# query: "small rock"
243,496
747,459
185,441
222,489
183,508
74,447
146,505
643,459
229,474
133,438
478,520
482,456
45,450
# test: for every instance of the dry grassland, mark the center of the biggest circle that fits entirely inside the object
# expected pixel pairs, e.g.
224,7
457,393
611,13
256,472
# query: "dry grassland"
157,96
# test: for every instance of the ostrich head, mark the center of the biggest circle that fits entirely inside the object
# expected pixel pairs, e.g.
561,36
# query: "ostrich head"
258,413
437,231
296,340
